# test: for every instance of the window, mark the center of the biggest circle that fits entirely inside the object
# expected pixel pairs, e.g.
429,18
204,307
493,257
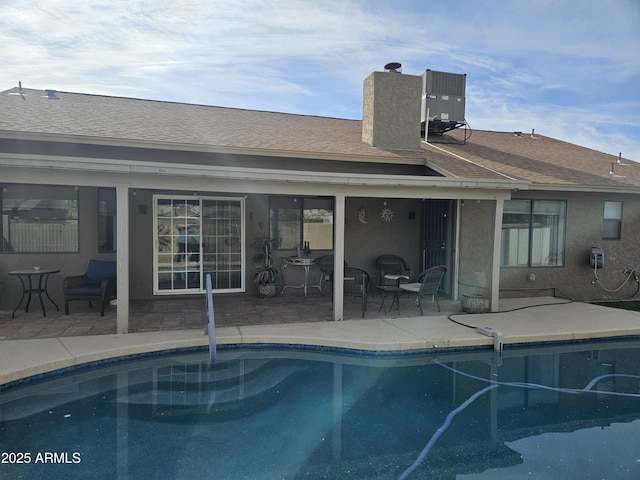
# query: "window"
106,220
612,221
39,218
533,233
294,221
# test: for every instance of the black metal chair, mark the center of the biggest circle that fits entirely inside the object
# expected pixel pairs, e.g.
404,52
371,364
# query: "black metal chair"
325,264
356,284
99,283
428,284
394,266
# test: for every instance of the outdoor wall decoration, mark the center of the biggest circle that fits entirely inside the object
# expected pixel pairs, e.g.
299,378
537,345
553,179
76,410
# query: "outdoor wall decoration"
362,215
386,214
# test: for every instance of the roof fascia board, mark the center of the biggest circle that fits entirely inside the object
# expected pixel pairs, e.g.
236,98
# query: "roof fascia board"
584,188
118,142
253,174
239,187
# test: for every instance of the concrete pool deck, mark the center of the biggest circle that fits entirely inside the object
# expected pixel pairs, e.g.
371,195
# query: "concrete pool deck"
521,321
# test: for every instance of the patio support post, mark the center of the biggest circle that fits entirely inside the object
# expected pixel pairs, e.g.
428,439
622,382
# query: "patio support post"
122,258
338,267
495,270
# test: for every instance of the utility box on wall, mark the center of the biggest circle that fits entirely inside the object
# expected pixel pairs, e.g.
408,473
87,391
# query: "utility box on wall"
597,257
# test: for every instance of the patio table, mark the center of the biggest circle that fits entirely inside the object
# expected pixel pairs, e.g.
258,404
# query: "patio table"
28,289
394,290
305,262
385,291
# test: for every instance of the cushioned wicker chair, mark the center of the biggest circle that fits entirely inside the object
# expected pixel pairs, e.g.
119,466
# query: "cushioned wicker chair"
428,284
99,284
392,265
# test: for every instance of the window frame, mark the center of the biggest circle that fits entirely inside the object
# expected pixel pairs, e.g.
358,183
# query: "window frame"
299,203
559,238
50,213
105,226
612,221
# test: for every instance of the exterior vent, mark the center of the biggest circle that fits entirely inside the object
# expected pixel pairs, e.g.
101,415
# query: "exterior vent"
443,101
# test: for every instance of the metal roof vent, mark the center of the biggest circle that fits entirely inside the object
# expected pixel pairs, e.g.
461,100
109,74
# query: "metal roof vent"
394,67
51,95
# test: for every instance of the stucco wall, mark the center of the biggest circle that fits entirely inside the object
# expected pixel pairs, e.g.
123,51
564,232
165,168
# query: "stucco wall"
584,230
476,247
141,244
364,242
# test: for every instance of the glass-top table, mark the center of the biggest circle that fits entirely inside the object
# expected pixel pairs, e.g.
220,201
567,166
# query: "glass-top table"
306,263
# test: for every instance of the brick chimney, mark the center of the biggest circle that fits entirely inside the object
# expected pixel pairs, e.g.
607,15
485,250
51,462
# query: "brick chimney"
391,110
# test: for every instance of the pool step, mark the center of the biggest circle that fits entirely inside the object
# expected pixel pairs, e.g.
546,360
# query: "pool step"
197,389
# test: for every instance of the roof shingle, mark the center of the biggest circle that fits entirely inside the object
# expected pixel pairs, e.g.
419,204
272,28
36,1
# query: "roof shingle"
485,155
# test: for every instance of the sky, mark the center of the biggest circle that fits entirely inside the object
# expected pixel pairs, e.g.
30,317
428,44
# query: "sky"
570,69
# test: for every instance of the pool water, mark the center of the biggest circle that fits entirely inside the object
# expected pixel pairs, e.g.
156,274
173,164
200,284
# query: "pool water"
565,412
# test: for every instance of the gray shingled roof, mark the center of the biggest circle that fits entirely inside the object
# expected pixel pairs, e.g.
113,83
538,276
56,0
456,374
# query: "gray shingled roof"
488,155
539,159
154,122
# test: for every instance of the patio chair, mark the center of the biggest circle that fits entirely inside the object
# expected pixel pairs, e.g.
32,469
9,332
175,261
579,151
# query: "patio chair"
391,266
428,284
325,263
99,283
356,284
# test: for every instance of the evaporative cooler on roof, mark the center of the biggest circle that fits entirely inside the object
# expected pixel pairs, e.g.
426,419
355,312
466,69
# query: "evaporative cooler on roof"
443,101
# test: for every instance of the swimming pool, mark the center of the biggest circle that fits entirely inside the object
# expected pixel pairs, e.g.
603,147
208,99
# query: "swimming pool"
564,411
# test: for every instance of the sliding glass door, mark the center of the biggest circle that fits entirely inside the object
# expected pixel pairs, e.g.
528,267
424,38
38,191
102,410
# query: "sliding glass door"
196,236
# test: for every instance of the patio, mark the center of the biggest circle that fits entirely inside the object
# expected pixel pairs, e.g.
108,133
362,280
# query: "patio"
184,313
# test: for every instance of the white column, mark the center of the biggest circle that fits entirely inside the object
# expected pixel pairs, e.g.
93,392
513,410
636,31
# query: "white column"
338,267
497,241
122,257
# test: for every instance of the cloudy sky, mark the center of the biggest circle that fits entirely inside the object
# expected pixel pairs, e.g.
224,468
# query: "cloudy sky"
569,69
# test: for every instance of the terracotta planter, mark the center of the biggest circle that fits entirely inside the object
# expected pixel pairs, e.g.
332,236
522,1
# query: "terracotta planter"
267,291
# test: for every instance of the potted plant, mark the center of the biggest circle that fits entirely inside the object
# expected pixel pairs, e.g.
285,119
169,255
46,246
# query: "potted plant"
267,272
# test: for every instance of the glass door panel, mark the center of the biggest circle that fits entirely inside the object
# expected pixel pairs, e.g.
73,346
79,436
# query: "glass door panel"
196,236
222,242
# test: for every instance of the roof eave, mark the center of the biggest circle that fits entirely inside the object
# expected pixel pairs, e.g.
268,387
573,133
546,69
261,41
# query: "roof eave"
259,174
585,188
216,149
